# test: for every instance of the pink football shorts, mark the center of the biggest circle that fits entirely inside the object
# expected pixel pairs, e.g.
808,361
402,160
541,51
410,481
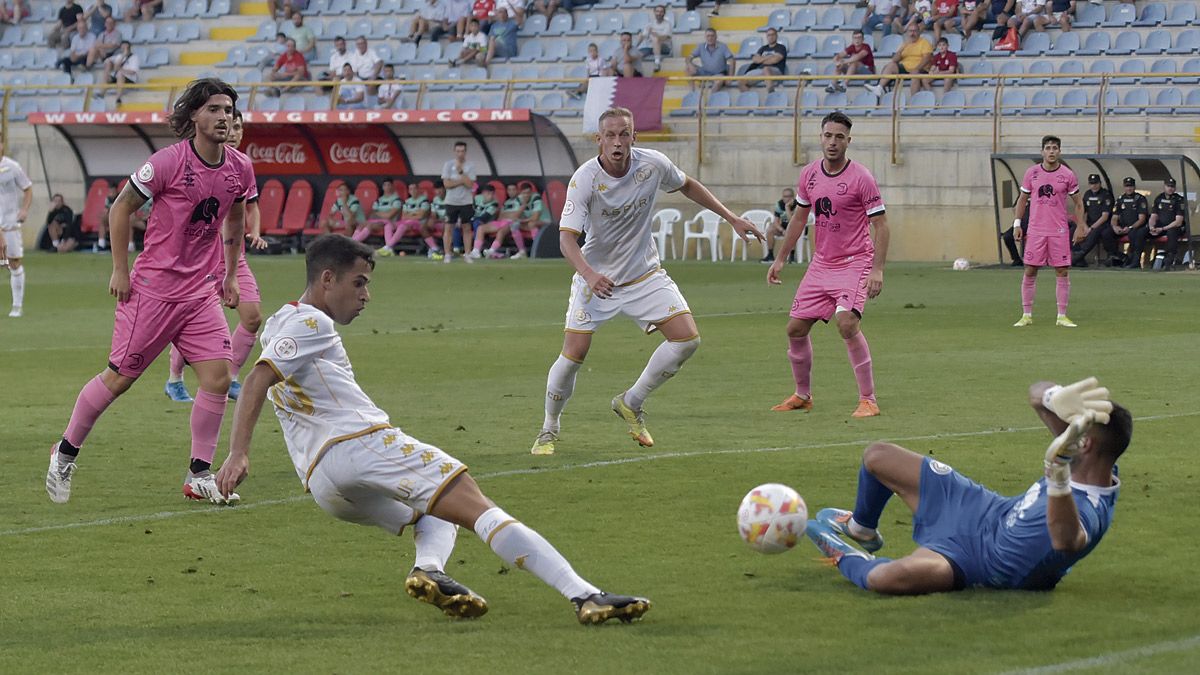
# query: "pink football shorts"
824,289
144,326
1052,250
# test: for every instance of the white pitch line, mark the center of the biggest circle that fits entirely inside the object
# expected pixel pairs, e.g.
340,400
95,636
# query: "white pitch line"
162,515
1113,658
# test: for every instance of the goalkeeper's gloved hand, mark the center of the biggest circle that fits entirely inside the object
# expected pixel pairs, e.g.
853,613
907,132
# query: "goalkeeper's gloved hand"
1062,449
1075,399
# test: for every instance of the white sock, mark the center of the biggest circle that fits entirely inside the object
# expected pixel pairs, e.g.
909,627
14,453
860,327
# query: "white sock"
663,364
17,281
560,384
172,379
860,532
55,242
521,546
102,243
435,542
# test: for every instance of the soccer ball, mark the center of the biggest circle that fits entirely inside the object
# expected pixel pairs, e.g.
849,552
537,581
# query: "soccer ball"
772,518
961,264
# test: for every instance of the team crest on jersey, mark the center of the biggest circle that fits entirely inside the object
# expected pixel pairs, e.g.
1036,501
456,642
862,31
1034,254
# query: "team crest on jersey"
233,185
939,468
569,207
642,175
1046,190
146,173
843,188
206,211
603,187
824,207
286,348
311,323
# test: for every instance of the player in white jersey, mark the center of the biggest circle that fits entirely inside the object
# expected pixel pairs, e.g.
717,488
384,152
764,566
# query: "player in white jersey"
362,469
16,194
611,200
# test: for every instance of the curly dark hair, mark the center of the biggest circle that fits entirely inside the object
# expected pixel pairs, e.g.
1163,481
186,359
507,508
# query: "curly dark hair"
195,96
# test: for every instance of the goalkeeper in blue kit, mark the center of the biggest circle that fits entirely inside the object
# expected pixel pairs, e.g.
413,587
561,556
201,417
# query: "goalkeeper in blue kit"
969,536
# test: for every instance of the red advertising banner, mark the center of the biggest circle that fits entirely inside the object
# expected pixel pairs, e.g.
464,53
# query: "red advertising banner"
280,151
296,117
359,150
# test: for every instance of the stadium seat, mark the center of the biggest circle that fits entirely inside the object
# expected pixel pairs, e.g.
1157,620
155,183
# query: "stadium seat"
1186,42
834,44
835,101
1012,68
554,50
1131,70
704,227
982,103
662,230
1039,67
889,45
1035,44
775,103
326,205
340,7
864,102
1073,101
236,56
297,210
428,52
1013,102
1134,102
803,19
530,52
194,9
855,20
217,9
33,36
1192,66
777,19
587,24
809,103
1098,67
1160,66
1072,67
745,103
1042,103
804,47
554,103
320,102
954,39
1065,45
976,45
978,68
291,102
1111,100
920,104
93,207
266,103
687,108
383,29
367,191
718,102
689,21
1120,15
360,28
11,36
266,32
143,33
1096,44
1128,42
560,24
610,23
332,28
317,8
1182,14
535,26
1166,102
1153,14
158,56
530,72
364,7
749,47
526,100
552,74
1191,104
270,205
831,19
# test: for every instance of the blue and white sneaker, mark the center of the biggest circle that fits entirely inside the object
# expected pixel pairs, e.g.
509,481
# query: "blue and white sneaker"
838,520
830,544
177,391
235,390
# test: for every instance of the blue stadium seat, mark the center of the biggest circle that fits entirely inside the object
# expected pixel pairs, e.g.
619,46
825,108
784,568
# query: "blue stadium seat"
1192,66
555,50
835,101
468,101
236,56
577,71
749,47
340,7
529,52
1120,15
452,77
976,45
364,7
982,103
266,32
1111,100
1013,102
291,102
1127,43
266,103
429,52
1039,67
559,25
777,19
1073,101
688,22
1065,45
383,29
855,20
473,73
1153,14
1191,104
1134,102
158,56
863,103
954,39
382,49
45,59
804,47
33,36
534,25
884,109
189,32
687,108
168,33
1166,102
889,45
1042,103
526,73
1012,68
951,104
143,33
317,8
493,100
831,19
1073,67
6,60
774,104
1097,68
501,73
194,9
1186,42
803,19
718,102
920,104
1132,70
362,28
172,9
316,102
637,23
332,28
1035,44
978,68
610,23
834,44
556,104
11,36
23,59
1160,66
54,83
1183,14
73,104
524,101
556,71
1088,15
587,24
1096,44
217,9
746,101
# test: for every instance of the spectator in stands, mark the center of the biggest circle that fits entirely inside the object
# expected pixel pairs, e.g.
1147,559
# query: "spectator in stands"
352,93
366,62
515,10
942,62
1028,12
388,93
11,11
337,58
771,59
278,47
945,17
143,9
1097,209
783,215
885,13
546,8
715,59
626,61
655,39
1059,15
59,234
454,23
60,35
596,67
909,58
693,4
122,67
95,15
971,15
484,12
290,7
1166,220
502,41
428,17
856,59
484,222
1130,213
998,12
474,47
306,40
345,212
291,66
107,43
81,45
920,12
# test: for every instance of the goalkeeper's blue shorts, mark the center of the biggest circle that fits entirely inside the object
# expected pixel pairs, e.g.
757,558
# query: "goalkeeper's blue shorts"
952,519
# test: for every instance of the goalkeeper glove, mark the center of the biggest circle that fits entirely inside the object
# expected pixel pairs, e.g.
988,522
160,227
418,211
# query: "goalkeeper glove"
1062,449
1075,399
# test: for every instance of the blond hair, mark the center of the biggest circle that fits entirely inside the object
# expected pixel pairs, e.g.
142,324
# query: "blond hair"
616,112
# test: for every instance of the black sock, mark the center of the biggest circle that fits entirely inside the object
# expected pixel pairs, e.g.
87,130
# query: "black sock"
200,466
65,448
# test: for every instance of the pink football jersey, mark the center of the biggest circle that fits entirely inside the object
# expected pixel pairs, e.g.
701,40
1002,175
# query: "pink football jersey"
842,205
183,233
1048,191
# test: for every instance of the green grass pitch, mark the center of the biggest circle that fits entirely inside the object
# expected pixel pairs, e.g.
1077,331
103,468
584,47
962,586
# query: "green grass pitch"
130,578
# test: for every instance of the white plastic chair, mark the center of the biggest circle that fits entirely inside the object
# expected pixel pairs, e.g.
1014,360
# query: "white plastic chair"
803,250
662,228
762,219
710,228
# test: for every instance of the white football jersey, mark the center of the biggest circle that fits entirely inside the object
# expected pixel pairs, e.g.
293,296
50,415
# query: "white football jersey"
13,182
616,213
318,403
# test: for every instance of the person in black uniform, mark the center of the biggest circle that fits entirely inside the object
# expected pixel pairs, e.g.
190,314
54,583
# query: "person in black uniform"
1010,241
1129,215
1166,220
1098,208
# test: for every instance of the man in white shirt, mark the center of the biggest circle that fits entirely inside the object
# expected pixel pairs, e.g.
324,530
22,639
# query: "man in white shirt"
367,64
352,92
337,58
362,469
458,176
610,199
388,93
885,13
656,37
16,195
429,16
474,47
81,45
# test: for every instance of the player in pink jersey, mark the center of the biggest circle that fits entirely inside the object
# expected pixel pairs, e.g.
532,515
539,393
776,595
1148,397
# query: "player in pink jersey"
249,300
198,186
1044,190
846,268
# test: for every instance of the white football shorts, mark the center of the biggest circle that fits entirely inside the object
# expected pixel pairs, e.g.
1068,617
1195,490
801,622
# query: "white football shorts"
649,301
14,243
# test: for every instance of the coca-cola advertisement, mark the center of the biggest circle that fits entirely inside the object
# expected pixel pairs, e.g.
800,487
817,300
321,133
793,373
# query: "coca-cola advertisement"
359,150
280,151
